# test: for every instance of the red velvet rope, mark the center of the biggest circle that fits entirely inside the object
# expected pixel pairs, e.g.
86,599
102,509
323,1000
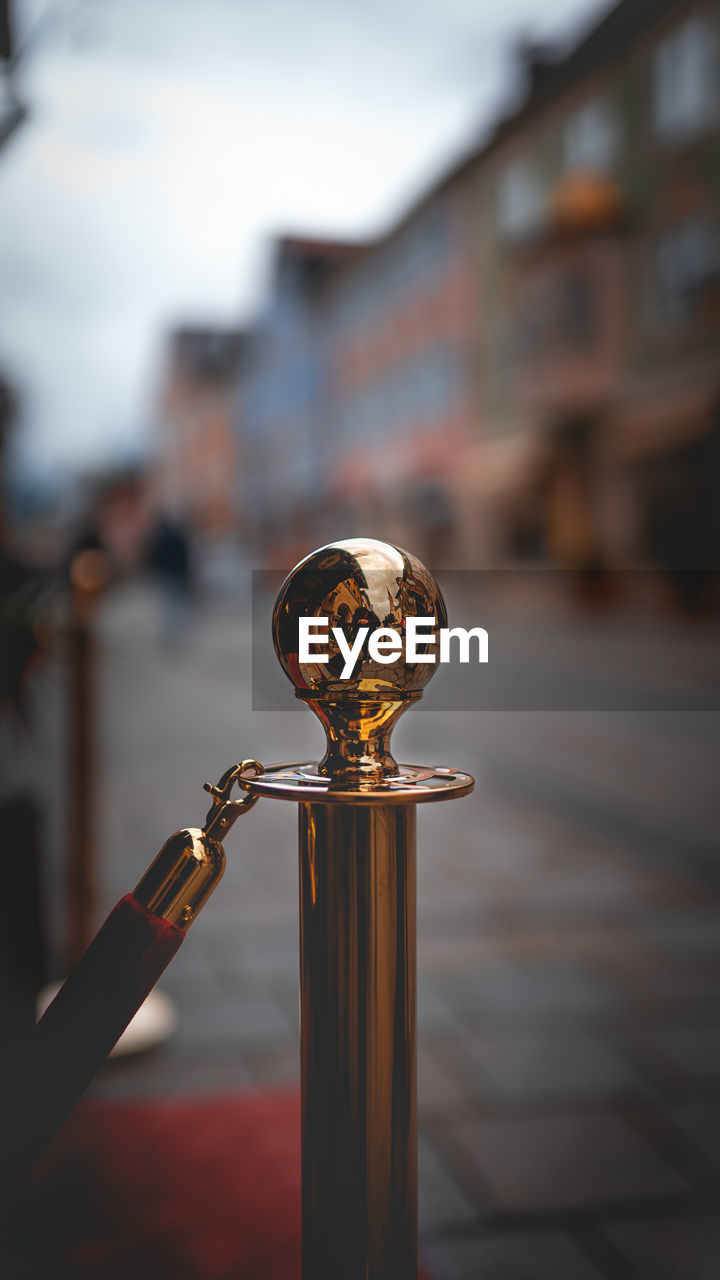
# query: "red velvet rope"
77,1032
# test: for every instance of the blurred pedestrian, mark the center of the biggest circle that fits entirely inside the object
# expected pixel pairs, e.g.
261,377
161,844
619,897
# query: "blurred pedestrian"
169,560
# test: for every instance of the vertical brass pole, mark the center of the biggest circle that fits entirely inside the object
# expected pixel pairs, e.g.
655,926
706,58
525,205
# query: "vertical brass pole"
82,892
357,907
88,574
358,1016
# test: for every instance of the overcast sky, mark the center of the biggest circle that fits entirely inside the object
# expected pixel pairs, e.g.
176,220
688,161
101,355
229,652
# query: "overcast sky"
168,139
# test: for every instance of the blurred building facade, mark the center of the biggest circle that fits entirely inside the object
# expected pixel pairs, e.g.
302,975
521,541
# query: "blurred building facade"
282,408
197,446
401,352
599,206
526,364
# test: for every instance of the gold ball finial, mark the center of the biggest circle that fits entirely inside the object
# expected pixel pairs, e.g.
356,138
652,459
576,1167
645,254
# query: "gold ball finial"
356,583
359,582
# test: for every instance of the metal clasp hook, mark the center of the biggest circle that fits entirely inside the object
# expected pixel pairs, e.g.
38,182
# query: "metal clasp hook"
224,811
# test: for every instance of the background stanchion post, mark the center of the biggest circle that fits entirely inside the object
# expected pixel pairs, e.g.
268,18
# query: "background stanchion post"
88,575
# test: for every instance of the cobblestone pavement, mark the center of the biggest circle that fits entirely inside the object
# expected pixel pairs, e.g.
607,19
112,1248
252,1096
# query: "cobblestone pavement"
569,952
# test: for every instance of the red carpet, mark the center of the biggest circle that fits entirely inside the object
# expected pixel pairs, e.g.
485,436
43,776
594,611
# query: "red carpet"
200,1190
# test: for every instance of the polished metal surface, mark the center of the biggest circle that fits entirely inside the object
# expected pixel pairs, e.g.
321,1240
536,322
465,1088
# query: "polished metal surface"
182,877
412,784
191,863
224,809
357,996
357,910
360,582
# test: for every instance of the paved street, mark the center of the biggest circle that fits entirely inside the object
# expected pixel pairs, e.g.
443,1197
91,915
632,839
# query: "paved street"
569,948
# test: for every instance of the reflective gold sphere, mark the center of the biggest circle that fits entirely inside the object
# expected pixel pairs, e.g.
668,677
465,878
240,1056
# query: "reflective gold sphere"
359,582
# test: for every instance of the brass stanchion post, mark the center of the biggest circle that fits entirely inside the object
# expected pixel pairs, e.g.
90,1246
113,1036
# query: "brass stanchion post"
357,909
88,576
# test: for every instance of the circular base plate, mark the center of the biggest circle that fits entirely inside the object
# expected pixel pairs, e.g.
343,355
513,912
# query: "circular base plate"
413,784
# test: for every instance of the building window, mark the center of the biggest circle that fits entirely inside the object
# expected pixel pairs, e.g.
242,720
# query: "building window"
532,321
558,314
578,309
685,87
591,136
519,198
686,260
